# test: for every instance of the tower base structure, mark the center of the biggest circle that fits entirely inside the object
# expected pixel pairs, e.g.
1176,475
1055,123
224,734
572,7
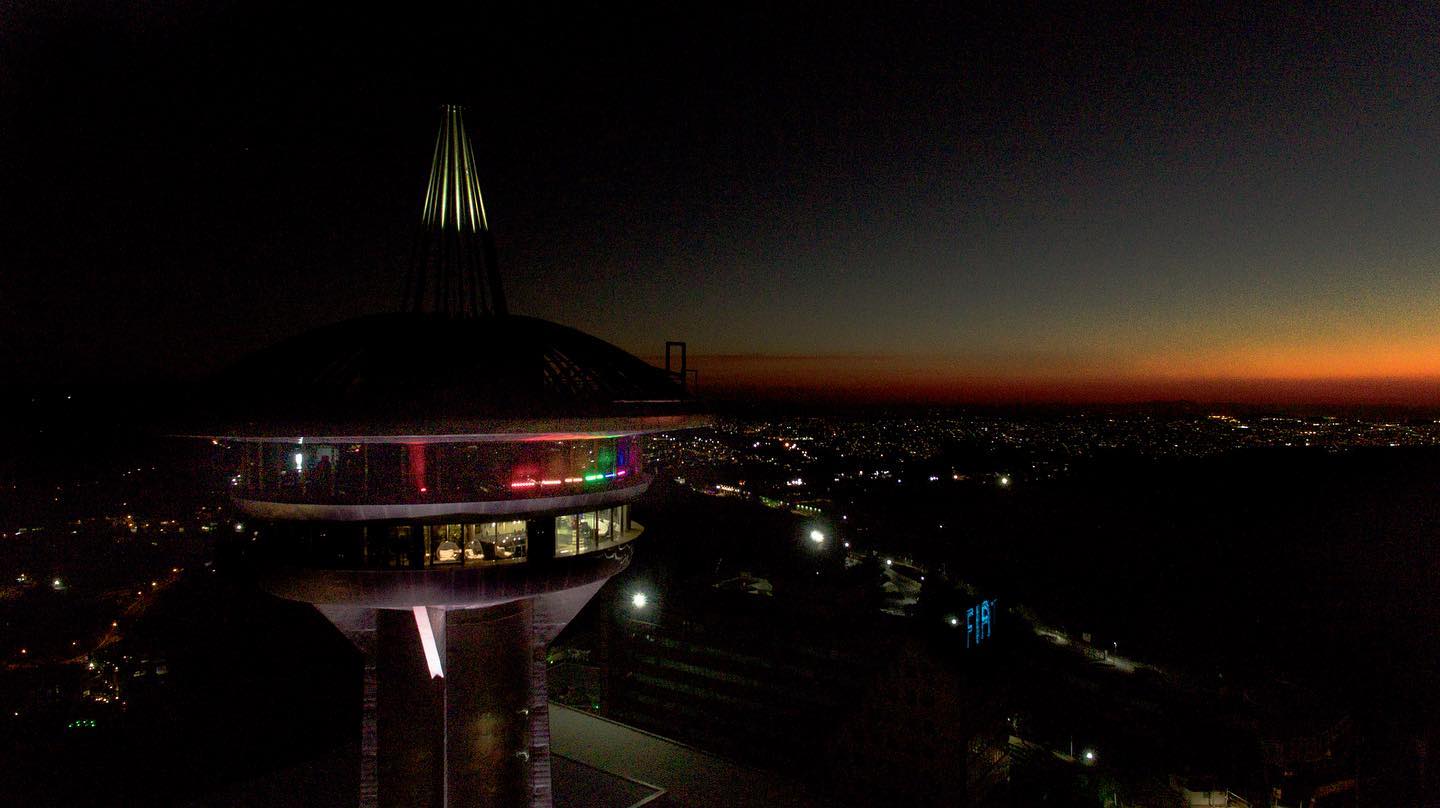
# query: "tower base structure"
455,705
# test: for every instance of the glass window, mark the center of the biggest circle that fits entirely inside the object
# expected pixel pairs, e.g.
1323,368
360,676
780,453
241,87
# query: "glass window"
587,532
590,531
605,527
444,544
567,535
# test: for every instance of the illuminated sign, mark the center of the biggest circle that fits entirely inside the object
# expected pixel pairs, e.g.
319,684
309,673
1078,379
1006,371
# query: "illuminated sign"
977,623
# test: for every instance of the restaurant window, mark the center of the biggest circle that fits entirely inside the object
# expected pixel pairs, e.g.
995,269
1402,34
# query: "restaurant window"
578,533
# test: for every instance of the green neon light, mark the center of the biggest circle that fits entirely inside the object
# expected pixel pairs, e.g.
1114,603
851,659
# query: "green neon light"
452,197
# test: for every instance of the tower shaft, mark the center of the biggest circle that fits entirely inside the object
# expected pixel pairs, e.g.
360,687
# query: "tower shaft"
476,736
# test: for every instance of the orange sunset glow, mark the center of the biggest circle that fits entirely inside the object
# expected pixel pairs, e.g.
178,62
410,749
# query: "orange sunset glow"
1360,376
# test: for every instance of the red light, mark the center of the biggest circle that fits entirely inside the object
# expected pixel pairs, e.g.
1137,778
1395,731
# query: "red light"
417,465
424,490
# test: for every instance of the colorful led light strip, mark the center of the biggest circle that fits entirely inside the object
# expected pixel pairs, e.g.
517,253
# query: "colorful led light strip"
588,478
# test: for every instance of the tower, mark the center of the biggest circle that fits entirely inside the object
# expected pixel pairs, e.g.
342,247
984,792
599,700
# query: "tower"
448,485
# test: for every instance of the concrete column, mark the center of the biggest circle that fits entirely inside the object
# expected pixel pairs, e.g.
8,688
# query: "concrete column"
488,693
358,626
476,737
410,718
540,541
549,614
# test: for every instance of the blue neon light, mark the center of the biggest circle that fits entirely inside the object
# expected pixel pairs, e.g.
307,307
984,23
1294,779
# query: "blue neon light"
978,623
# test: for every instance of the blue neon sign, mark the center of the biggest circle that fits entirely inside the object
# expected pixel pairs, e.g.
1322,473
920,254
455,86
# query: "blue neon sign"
978,624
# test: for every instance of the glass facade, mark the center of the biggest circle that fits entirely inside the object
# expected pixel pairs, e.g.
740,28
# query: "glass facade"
381,473
471,543
417,546
577,533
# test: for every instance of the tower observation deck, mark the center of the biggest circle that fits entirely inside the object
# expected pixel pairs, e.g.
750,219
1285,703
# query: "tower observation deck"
449,485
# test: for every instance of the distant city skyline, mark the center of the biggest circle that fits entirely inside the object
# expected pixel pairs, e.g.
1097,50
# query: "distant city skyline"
1132,204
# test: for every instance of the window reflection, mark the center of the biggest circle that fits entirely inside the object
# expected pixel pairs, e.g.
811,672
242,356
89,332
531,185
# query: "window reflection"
578,533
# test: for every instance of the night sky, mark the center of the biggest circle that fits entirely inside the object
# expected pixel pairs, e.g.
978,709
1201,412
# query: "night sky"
876,200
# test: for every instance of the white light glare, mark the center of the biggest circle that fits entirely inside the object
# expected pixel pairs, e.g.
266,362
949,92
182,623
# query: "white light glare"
817,537
1089,755
427,641
638,600
299,461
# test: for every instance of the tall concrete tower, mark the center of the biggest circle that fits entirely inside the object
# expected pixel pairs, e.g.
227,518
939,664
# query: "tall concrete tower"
448,485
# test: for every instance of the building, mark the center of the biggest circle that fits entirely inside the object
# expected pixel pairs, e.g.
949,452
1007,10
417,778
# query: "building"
449,485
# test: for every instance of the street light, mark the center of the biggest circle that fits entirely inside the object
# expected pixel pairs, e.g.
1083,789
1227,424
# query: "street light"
817,537
638,600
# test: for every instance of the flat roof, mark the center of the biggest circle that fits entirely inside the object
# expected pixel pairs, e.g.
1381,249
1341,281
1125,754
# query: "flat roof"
454,431
688,776
579,785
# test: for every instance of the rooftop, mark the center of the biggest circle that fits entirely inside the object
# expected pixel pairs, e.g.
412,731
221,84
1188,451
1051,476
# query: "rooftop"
430,375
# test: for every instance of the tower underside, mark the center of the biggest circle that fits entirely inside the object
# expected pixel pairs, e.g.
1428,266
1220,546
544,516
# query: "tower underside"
456,711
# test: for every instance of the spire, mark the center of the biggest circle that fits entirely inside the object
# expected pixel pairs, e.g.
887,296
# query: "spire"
454,270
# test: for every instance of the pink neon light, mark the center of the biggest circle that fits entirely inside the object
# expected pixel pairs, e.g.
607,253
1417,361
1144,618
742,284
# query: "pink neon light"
551,482
621,472
523,484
